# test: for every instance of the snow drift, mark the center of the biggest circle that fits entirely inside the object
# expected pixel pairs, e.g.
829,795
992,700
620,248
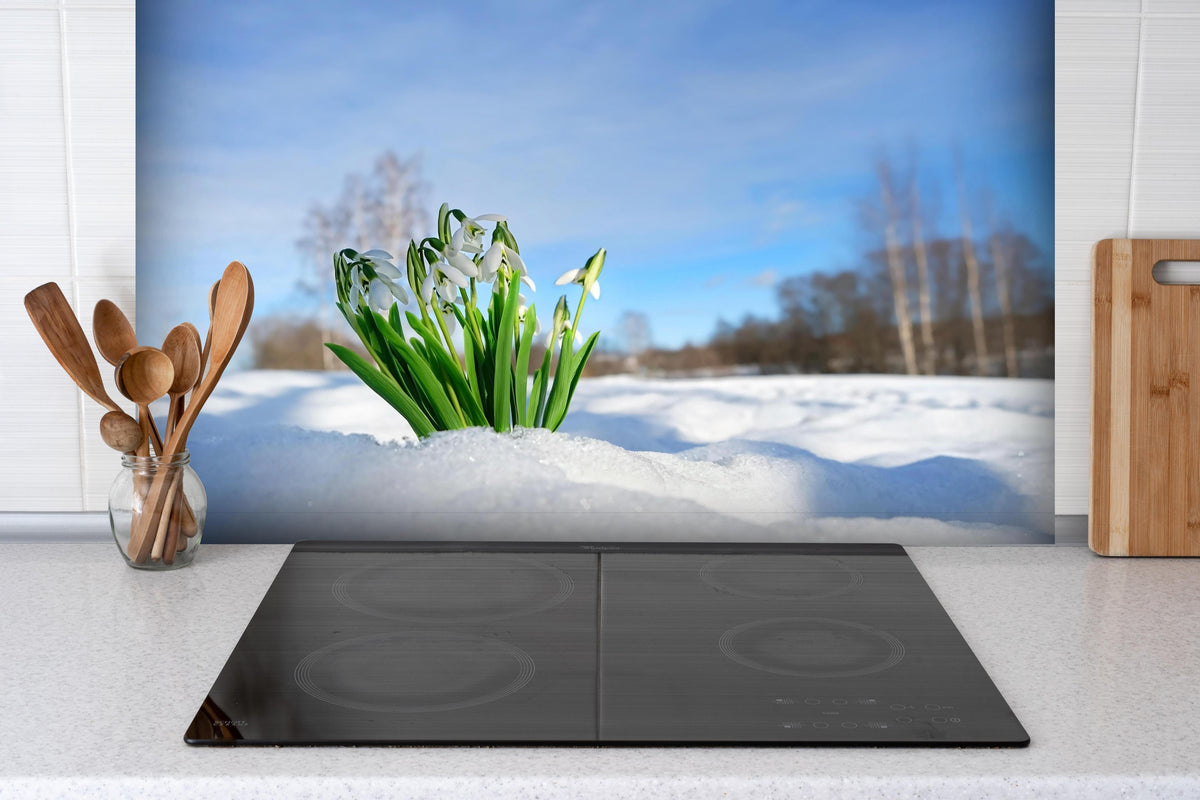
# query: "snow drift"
292,455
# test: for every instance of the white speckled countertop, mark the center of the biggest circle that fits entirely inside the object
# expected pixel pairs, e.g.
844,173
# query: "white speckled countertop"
104,667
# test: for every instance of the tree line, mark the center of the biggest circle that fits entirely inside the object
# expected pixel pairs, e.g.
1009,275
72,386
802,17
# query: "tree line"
917,301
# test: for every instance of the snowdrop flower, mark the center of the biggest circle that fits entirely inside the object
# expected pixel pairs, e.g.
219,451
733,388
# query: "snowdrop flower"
521,309
382,291
587,276
562,316
443,279
457,261
469,237
578,276
448,317
499,254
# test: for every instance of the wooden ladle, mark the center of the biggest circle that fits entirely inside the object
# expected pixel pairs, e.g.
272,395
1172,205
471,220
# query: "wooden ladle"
144,374
112,331
181,348
59,328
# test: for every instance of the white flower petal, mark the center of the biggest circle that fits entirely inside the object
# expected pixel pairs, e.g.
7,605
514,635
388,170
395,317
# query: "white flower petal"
356,274
463,264
446,292
397,291
454,276
578,338
515,261
492,218
491,261
377,254
595,290
528,281
451,323
381,296
427,287
570,276
386,270
460,235
355,294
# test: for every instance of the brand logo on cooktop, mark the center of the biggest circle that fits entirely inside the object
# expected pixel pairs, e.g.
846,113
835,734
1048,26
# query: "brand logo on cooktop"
229,723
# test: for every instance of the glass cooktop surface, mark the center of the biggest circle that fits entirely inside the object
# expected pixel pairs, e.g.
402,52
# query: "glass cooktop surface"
469,643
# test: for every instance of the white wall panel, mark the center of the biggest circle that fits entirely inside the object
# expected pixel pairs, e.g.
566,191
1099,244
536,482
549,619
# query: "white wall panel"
66,215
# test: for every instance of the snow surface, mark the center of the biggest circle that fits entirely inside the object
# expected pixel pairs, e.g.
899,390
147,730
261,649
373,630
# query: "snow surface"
292,455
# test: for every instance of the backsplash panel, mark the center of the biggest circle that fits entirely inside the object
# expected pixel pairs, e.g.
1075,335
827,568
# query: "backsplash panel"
67,207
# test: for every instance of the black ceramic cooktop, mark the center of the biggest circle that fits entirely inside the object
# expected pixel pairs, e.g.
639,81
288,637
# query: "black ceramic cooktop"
545,643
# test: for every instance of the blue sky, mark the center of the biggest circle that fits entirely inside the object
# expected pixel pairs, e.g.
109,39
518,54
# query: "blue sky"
713,147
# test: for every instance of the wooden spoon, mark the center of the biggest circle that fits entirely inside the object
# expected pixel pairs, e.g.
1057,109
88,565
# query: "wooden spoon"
59,328
145,374
121,432
181,348
111,329
231,315
212,309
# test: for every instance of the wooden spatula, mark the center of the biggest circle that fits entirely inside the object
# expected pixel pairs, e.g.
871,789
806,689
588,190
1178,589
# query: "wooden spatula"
59,328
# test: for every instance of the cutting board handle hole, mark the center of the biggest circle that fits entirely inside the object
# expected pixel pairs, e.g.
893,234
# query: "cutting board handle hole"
1177,272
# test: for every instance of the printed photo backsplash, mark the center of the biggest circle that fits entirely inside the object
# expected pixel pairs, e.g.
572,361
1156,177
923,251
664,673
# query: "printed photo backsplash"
825,310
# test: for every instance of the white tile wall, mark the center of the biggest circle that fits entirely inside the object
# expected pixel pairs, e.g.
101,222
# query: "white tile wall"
1127,162
66,215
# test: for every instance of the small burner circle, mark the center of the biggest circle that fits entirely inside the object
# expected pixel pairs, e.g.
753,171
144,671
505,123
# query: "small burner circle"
811,647
454,587
780,577
414,672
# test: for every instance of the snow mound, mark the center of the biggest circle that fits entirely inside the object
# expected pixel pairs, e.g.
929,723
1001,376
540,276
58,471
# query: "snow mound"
534,484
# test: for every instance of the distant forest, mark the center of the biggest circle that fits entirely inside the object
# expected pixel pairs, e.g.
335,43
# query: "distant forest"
978,301
914,303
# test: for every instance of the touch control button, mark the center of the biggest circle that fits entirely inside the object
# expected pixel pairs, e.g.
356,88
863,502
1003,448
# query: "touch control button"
849,725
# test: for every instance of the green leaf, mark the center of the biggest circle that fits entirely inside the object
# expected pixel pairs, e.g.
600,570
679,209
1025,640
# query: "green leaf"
386,388
446,416
556,405
580,363
448,367
521,376
503,362
540,384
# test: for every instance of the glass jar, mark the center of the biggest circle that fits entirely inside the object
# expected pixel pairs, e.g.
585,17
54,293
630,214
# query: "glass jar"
166,536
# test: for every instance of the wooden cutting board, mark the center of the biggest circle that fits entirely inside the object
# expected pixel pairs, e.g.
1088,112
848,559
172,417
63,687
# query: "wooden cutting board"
1145,498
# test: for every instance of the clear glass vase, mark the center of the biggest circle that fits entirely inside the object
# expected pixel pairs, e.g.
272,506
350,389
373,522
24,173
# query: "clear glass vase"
156,507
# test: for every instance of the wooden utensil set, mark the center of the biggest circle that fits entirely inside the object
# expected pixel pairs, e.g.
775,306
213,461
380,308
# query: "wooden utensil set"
163,521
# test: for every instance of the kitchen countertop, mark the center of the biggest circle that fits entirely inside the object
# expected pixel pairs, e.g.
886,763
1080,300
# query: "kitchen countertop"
104,667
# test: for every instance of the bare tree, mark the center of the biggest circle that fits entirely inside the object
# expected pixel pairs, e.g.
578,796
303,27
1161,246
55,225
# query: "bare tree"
972,264
381,209
896,271
999,243
925,306
635,331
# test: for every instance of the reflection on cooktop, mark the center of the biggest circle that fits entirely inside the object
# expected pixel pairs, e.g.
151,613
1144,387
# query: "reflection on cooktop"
795,578
414,672
812,647
488,588
492,643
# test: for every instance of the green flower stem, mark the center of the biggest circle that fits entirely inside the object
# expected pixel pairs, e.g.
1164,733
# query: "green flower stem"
578,314
449,342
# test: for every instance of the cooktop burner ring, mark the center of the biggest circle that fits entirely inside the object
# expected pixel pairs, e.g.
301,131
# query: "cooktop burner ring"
824,577
787,642
547,587
472,651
